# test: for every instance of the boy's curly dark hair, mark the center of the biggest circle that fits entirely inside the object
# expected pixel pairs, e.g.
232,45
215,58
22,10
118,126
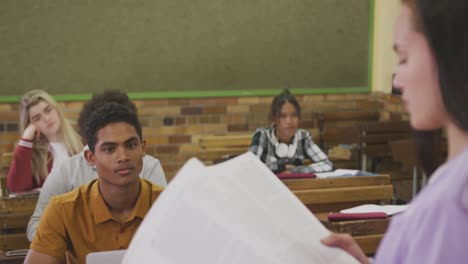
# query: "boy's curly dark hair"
100,99
107,114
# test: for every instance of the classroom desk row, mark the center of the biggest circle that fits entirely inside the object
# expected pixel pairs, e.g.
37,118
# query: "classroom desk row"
322,196
319,195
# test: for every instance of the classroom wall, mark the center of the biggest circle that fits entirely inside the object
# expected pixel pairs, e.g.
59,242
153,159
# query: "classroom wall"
384,59
70,47
173,127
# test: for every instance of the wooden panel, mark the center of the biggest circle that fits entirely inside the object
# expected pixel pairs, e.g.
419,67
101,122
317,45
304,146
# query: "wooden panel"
370,243
303,184
375,136
355,227
315,133
10,136
367,233
384,137
331,135
342,135
14,220
5,159
10,260
22,204
13,241
220,148
381,150
338,206
388,126
345,194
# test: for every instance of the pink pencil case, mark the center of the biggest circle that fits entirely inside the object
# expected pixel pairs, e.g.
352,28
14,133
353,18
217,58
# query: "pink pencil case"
355,216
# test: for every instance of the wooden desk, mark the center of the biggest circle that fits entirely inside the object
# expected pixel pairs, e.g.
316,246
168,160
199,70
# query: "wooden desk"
367,233
14,217
335,194
322,196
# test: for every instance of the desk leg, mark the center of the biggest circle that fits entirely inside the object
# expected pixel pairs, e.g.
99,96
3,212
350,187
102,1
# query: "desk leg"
415,180
423,180
364,162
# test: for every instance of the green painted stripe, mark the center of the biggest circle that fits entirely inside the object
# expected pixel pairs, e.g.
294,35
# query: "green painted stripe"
202,94
370,62
9,99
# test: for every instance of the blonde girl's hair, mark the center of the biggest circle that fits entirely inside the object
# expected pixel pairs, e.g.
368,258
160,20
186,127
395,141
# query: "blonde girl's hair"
41,146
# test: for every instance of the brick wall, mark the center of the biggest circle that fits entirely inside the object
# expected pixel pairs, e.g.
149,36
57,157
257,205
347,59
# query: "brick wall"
173,127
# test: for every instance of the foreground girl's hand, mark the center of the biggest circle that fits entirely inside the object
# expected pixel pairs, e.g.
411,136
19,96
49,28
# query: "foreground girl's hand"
347,243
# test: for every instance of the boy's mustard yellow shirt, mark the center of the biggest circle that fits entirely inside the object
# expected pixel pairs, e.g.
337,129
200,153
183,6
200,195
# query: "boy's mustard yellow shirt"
79,223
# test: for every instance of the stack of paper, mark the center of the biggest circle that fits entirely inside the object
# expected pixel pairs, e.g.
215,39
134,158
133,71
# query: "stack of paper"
34,192
374,208
343,173
234,212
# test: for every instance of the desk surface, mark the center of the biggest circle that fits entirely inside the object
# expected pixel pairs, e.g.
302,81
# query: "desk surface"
334,194
320,183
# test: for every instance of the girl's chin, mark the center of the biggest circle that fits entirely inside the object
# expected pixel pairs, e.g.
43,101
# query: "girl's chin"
418,124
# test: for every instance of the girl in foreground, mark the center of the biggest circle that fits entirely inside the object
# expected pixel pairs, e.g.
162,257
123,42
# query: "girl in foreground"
431,41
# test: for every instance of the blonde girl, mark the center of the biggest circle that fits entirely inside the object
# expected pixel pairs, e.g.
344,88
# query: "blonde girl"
47,139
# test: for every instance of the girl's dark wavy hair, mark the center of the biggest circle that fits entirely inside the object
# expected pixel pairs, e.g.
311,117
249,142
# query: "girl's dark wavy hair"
280,100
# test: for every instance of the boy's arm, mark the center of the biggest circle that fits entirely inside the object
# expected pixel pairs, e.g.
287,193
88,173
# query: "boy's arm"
55,184
153,171
51,237
40,258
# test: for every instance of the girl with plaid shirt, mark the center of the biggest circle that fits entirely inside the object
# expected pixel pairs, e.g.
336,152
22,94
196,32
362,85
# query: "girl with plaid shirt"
284,146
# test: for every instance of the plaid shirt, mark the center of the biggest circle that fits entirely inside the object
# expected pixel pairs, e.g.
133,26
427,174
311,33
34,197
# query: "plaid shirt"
264,149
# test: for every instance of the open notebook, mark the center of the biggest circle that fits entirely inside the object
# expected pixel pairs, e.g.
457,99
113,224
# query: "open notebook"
234,212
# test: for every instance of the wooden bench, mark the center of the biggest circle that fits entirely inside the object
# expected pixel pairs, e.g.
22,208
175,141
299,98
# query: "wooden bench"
375,137
338,128
8,141
14,216
217,148
432,146
335,194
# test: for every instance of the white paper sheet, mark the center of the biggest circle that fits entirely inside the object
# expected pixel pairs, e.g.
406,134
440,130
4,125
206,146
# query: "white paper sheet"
373,208
234,212
343,173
